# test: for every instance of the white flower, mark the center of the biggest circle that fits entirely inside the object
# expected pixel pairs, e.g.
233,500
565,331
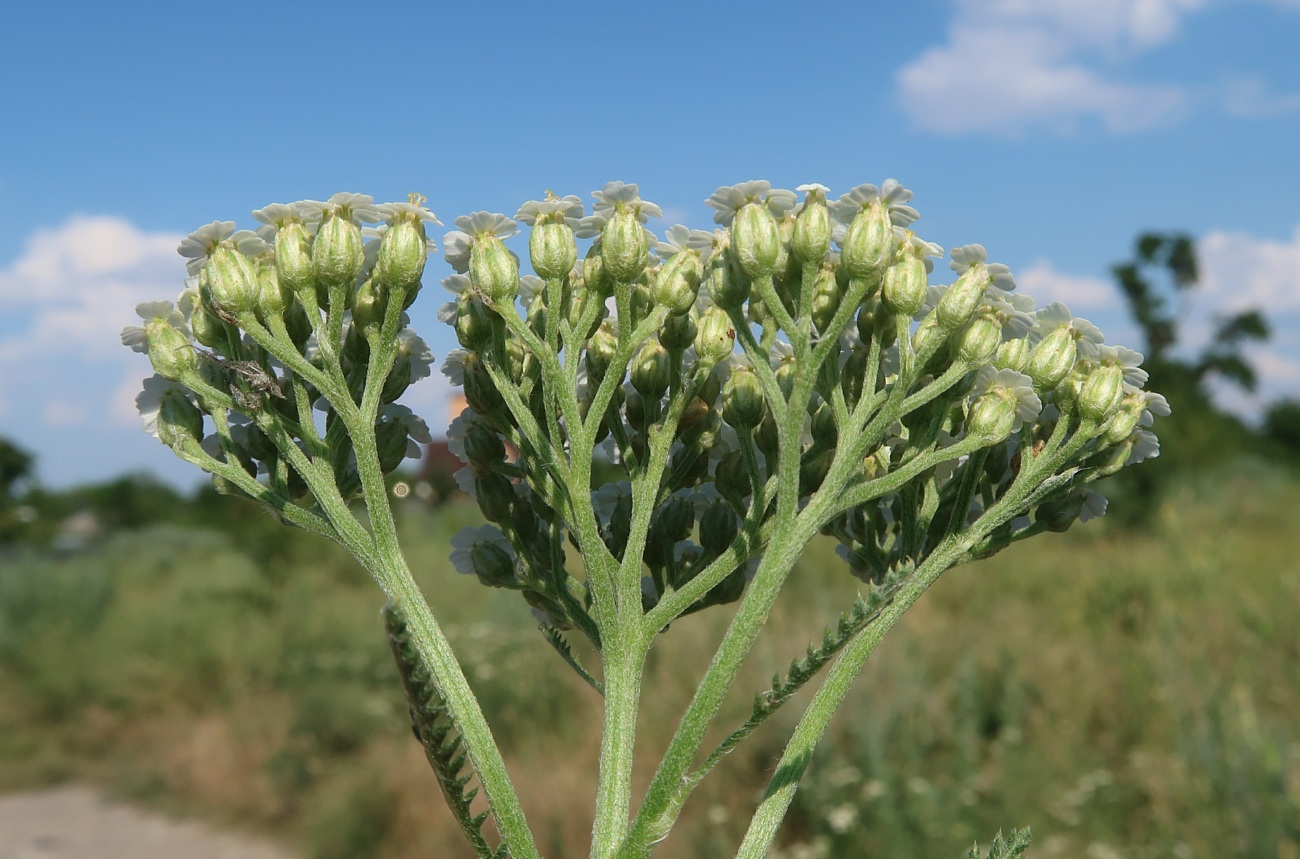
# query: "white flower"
1157,406
530,286
814,187
358,208
414,349
465,481
968,255
569,207
893,195
466,540
605,499
470,227
1129,360
390,212
274,216
1145,446
919,247
453,367
730,199
199,245
458,429
680,238
136,336
1014,310
1094,506
620,195
149,401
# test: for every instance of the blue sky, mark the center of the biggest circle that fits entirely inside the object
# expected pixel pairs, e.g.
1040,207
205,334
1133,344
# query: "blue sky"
1051,131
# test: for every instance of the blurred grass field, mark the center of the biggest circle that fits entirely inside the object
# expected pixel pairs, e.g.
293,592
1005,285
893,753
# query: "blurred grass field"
1125,693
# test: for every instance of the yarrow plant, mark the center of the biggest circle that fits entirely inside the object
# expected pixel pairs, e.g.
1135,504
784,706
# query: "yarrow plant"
792,373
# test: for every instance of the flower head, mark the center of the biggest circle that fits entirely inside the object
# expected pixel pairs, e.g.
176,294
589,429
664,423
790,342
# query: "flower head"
471,227
199,245
730,199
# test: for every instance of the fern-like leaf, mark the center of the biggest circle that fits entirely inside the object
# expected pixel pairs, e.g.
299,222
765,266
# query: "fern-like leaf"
1004,849
556,639
433,727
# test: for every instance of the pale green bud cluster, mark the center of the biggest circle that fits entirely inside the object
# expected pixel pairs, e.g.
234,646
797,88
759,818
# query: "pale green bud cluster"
303,317
800,328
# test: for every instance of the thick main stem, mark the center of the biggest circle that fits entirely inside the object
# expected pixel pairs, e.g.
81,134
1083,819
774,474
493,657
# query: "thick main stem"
623,666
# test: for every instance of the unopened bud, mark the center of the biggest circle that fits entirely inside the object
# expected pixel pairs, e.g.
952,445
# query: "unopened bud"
272,298
600,352
594,275
678,333
1052,359
551,247
483,447
731,478
906,282
1102,391
475,323
825,299
650,370
403,252
1012,355
992,416
868,245
756,240
718,527
813,470
180,423
293,258
496,496
811,238
170,351
492,565
714,336
233,281
493,268
728,286
960,300
368,306
206,327
1059,514
338,253
391,443
677,283
1126,419
824,430
623,246
481,395
743,405
979,340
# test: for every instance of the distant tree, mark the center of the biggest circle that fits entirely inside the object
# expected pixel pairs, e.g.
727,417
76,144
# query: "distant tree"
1282,428
1156,284
15,468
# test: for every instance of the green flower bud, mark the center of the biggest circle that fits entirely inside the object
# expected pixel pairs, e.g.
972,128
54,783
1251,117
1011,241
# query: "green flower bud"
293,255
825,299
1067,391
813,470
960,300
977,342
1012,355
492,565
811,238
728,286
853,375
731,478
600,352
208,330
368,306
824,430
483,447
1113,458
743,405
674,522
594,275
1051,359
718,527
785,378
677,283
1126,419
1059,513
403,251
493,269
180,423
905,286
475,325
634,408
1102,391
756,240
623,246
711,389
496,496
678,333
868,245
650,370
551,247
272,298
481,395
391,444
338,253
399,378
714,336
233,281
170,351
992,416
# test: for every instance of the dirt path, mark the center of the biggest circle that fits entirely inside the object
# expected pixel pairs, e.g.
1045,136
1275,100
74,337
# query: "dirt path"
74,823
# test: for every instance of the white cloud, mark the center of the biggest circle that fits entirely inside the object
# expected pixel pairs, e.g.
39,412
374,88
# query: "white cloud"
1013,64
1251,98
1046,285
1240,271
